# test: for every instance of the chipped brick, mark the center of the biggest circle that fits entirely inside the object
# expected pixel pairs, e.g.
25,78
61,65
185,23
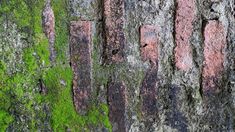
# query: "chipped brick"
185,15
114,26
48,24
80,48
148,92
117,105
148,43
214,44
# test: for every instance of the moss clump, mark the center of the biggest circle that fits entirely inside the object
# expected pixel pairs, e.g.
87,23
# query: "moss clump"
61,27
58,81
5,119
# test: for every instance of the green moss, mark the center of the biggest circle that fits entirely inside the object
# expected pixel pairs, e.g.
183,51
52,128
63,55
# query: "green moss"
5,119
60,97
61,28
19,91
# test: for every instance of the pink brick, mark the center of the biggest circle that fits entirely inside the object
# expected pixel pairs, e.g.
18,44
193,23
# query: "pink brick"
148,43
185,15
48,23
114,26
80,55
214,44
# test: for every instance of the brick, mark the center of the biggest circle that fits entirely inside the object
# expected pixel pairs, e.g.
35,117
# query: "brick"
114,26
149,52
174,117
80,53
148,92
48,23
148,43
214,44
117,105
185,15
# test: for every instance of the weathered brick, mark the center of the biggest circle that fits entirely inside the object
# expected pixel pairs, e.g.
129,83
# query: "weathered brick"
48,24
185,15
114,26
214,44
80,48
149,52
148,92
117,105
148,43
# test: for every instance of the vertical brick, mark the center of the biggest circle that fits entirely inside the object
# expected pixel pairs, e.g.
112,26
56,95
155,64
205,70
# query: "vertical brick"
114,26
80,48
214,44
148,92
48,23
117,105
185,15
148,43
149,52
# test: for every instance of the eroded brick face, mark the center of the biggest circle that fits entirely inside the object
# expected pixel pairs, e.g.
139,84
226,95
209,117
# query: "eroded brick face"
117,105
149,52
114,24
80,48
185,14
148,43
214,44
48,24
148,92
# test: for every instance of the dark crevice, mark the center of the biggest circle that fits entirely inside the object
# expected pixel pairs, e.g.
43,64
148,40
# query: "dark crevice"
204,23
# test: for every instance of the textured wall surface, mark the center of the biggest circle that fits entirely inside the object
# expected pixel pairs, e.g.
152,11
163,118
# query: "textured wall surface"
117,65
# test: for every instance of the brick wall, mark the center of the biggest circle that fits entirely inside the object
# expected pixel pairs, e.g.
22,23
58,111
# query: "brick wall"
170,63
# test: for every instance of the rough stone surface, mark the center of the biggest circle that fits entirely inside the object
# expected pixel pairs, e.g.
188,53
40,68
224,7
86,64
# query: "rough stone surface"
114,26
80,48
215,42
185,15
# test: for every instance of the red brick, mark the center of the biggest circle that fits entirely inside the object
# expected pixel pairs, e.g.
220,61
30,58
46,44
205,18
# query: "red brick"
48,23
214,44
117,105
114,26
148,43
148,92
185,15
80,48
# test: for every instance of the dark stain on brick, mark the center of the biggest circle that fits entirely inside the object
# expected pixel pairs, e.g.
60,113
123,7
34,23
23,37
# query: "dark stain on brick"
114,35
174,117
148,92
80,55
117,105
